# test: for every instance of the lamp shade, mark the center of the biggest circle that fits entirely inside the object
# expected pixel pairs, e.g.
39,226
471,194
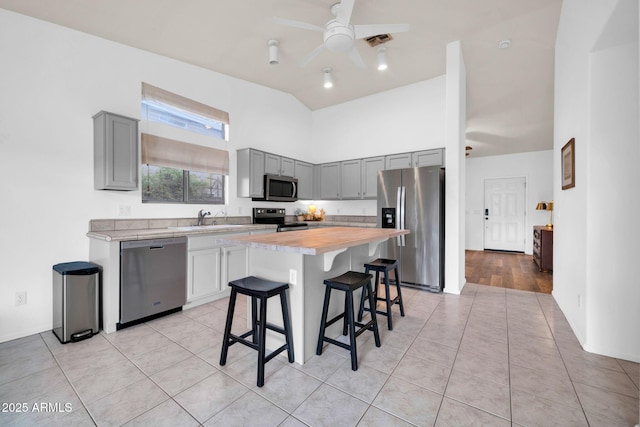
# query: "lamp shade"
546,206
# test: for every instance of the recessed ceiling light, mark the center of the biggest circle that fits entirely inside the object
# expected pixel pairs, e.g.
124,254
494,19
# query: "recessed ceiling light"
382,58
504,44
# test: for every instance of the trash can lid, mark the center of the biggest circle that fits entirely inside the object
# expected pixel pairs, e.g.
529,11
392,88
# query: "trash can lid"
77,268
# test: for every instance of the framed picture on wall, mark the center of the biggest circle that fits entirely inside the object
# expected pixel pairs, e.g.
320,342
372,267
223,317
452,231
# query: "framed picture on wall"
569,165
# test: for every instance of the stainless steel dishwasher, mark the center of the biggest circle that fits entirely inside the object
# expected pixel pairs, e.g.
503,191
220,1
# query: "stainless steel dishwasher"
153,278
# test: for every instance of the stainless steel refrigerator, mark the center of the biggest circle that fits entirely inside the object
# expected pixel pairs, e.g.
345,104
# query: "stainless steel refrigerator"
413,199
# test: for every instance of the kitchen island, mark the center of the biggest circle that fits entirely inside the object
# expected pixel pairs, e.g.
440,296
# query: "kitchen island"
304,259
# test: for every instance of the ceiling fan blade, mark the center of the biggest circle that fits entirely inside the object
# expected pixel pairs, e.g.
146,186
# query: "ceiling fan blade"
315,52
364,31
297,24
355,57
344,11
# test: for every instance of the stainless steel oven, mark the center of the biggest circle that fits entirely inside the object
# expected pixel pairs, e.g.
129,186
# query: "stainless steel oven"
276,216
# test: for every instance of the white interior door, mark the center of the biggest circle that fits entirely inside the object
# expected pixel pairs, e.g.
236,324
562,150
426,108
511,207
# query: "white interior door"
504,214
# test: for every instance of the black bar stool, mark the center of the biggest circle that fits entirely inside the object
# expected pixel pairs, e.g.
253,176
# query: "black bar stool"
383,265
258,289
348,282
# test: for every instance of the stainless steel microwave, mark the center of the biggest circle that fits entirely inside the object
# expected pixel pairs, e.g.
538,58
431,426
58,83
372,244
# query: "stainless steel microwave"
280,189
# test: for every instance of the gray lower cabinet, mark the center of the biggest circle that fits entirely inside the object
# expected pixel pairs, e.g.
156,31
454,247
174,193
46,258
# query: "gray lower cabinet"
330,181
115,152
351,179
370,168
304,172
250,174
210,266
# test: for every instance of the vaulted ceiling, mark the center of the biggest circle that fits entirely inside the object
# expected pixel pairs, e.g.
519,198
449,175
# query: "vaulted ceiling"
509,91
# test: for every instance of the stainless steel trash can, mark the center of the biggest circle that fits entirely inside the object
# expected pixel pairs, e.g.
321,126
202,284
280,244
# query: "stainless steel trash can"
76,296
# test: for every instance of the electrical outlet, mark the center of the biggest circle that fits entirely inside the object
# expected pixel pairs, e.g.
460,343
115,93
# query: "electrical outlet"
21,298
293,276
124,210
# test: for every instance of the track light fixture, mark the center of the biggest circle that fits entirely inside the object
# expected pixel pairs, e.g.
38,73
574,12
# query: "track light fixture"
273,52
382,58
328,80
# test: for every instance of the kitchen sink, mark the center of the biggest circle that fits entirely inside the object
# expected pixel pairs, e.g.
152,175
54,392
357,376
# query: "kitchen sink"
205,227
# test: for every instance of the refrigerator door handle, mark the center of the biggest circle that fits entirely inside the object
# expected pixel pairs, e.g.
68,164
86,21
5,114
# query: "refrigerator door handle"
399,220
403,205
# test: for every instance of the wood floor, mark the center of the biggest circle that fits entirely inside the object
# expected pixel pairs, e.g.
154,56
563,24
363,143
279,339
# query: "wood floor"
506,270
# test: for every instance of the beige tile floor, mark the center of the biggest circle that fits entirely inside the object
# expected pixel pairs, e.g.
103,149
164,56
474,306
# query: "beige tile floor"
491,356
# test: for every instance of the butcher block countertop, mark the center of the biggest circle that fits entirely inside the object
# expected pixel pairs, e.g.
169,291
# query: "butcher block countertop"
315,241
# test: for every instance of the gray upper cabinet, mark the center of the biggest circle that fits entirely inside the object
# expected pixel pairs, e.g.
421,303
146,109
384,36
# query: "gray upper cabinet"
250,181
287,166
115,152
370,168
398,161
317,169
428,158
304,172
277,165
271,164
330,181
351,177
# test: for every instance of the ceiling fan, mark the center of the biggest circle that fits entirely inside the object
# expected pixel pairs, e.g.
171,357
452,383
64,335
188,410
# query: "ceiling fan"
339,33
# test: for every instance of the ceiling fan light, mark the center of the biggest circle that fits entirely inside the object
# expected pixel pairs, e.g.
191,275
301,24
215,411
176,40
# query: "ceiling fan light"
328,80
382,58
338,37
273,52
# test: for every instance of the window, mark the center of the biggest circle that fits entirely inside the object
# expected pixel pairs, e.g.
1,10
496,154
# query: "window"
176,171
169,115
170,185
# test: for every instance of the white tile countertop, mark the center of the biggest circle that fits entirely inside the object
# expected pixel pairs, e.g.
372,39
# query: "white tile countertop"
139,229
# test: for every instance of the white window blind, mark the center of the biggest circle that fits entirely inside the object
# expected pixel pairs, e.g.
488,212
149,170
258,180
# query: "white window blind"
170,153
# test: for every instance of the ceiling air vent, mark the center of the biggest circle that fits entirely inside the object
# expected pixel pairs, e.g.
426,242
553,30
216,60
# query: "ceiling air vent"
378,40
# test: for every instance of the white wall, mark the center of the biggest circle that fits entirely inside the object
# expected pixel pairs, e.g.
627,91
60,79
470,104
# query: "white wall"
596,228
52,81
409,118
455,131
537,169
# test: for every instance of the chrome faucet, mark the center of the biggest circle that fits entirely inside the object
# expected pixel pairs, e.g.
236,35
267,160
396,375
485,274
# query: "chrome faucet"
201,216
